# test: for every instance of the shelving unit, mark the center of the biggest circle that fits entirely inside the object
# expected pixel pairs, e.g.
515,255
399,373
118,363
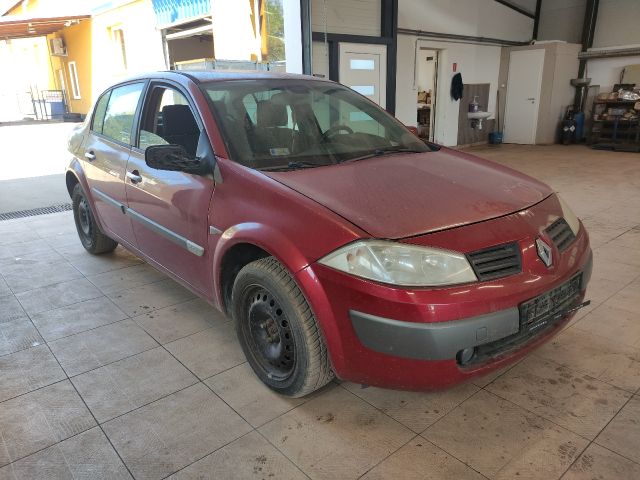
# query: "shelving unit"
614,132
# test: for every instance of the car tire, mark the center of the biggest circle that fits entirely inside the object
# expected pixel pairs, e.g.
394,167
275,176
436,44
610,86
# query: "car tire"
93,239
278,331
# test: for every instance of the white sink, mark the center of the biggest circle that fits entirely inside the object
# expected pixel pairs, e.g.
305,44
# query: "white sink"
478,115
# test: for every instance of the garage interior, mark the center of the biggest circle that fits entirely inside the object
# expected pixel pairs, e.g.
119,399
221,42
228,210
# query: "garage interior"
109,369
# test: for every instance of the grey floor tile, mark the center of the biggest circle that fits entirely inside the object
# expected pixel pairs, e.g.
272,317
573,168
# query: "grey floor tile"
89,264
172,323
210,351
130,383
4,288
416,410
40,419
18,334
421,460
575,401
57,295
622,435
76,318
597,463
126,278
142,299
27,370
611,362
167,435
30,262
504,441
20,249
246,394
94,348
87,456
10,308
250,457
29,277
336,435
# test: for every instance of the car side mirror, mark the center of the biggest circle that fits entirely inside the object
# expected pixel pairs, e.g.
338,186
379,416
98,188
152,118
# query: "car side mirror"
173,158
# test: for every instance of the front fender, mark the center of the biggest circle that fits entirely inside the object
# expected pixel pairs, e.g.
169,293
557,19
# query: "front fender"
269,239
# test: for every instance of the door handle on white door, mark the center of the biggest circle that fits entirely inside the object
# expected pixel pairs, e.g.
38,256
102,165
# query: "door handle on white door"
531,99
134,176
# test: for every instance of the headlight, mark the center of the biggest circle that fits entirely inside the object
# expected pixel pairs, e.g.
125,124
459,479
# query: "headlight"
569,216
401,264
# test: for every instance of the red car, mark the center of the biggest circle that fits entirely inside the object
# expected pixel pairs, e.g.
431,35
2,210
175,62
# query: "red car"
339,242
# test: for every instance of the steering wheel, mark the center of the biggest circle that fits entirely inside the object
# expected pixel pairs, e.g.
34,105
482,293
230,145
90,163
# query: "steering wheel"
331,131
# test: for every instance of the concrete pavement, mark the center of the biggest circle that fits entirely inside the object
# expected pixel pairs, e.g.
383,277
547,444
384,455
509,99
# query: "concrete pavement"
32,162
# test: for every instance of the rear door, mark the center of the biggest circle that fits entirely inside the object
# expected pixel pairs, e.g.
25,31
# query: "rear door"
107,151
169,209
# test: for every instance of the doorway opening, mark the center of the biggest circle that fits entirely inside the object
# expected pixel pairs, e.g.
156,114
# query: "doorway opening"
427,83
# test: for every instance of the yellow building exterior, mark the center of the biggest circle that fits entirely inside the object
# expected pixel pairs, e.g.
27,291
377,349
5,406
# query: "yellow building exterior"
117,41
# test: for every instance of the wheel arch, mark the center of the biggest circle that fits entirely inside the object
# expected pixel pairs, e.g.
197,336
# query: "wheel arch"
242,244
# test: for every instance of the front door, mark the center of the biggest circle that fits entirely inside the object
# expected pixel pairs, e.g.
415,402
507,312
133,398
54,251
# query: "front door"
106,153
523,96
169,209
363,67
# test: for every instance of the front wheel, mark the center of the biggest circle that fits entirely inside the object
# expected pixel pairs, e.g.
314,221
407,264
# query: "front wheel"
278,331
92,238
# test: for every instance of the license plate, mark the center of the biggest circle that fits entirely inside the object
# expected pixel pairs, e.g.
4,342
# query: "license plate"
541,309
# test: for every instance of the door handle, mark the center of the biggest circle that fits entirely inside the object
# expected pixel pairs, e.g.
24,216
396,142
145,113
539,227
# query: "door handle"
134,176
90,156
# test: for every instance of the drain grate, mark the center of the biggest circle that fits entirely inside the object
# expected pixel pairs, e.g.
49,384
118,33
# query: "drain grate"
65,207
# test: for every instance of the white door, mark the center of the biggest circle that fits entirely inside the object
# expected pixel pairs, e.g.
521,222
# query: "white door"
523,96
363,67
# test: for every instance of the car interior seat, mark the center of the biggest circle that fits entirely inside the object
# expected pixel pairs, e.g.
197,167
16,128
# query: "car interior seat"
180,127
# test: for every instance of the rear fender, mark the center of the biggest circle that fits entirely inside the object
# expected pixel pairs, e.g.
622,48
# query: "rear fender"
75,169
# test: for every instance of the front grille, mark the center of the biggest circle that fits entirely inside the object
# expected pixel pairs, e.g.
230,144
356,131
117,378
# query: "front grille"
561,234
496,262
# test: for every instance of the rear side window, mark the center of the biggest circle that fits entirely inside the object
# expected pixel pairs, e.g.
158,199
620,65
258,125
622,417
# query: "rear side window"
121,109
98,114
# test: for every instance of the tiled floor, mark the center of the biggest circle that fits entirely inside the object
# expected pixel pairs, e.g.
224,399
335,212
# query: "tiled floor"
110,370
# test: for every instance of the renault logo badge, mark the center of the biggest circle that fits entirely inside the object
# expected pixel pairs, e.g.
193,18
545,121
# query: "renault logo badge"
544,252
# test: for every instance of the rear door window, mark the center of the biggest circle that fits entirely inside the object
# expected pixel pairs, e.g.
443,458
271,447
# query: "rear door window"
99,113
120,113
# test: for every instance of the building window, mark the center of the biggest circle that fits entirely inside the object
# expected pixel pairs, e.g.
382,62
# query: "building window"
117,36
73,75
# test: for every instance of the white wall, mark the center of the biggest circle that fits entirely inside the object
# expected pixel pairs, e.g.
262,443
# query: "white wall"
561,20
476,63
357,17
616,26
480,18
606,71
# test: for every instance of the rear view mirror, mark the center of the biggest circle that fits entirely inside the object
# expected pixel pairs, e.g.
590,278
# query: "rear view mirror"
412,129
173,158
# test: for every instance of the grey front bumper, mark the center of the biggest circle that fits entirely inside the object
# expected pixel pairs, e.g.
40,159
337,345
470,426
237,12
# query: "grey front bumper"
433,341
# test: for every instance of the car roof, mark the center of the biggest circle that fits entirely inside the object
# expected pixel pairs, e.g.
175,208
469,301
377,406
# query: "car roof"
205,76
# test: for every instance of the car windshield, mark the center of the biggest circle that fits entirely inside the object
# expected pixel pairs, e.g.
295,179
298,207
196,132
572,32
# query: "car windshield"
285,124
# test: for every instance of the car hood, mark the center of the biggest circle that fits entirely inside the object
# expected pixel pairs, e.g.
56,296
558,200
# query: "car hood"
403,195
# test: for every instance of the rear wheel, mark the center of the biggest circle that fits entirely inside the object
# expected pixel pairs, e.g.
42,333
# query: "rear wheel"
92,238
278,331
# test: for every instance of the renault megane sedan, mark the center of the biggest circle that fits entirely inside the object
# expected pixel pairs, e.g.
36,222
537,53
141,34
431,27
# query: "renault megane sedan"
340,243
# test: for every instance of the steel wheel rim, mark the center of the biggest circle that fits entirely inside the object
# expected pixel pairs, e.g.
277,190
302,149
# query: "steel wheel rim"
84,217
268,331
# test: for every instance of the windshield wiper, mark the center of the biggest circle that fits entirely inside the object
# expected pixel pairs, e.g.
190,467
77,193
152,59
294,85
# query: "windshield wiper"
291,166
379,152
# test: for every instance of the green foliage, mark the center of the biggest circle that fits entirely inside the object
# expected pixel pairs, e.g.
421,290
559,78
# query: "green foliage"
275,30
